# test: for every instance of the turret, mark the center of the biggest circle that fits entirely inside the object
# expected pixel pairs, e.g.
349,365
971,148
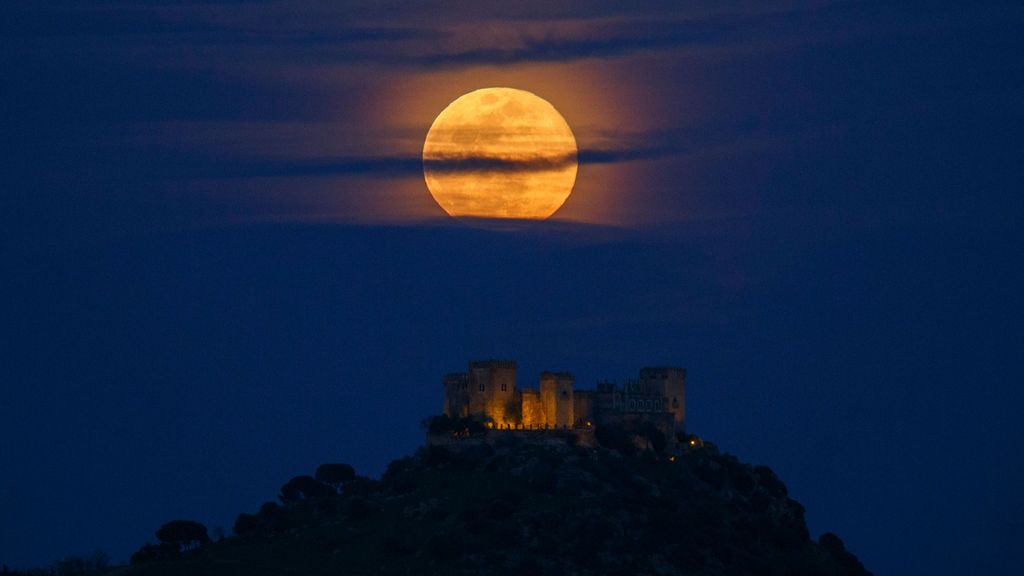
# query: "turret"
492,391
670,382
556,393
456,395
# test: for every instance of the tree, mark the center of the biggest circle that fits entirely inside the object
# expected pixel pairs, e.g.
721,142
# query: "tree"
183,534
153,552
335,475
303,488
97,563
835,547
246,524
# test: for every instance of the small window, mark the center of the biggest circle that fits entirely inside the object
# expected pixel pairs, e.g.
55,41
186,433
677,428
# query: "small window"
481,386
503,387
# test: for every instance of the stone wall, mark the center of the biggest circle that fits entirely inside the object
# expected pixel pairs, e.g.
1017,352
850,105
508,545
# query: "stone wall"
556,393
672,384
492,391
456,395
533,409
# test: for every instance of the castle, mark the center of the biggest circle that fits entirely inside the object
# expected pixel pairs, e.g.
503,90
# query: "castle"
487,392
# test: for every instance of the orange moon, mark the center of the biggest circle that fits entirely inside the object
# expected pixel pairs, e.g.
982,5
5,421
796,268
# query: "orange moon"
500,153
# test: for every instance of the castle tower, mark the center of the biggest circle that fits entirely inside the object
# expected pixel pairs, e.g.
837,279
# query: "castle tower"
556,394
456,395
670,382
492,392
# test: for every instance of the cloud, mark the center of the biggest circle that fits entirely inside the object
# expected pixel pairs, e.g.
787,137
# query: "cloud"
620,148
324,34
399,166
603,41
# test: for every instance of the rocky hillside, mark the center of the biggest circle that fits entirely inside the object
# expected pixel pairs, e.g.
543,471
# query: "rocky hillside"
517,507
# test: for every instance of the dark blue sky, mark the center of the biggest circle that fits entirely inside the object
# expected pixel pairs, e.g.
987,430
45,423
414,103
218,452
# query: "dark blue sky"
219,269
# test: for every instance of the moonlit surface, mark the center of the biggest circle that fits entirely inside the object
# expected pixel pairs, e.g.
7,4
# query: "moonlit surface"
500,153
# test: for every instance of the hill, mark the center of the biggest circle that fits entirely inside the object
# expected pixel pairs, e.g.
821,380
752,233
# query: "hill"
523,508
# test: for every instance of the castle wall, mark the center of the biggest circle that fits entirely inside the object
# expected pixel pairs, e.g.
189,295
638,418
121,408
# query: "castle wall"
583,407
671,383
456,395
492,391
556,392
533,409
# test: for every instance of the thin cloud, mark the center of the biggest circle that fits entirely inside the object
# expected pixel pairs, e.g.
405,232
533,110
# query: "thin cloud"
335,38
408,166
636,147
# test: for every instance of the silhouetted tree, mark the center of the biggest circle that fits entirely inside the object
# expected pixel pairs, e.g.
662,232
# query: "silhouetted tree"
835,547
335,475
246,524
362,486
443,423
767,479
90,565
304,487
273,516
183,534
154,552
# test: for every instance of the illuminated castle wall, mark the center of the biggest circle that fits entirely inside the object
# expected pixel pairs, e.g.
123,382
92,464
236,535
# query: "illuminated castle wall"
487,391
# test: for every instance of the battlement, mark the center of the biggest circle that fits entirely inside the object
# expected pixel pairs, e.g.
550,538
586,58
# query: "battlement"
492,364
556,375
661,372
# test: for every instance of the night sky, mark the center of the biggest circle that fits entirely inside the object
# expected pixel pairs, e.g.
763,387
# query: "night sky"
221,266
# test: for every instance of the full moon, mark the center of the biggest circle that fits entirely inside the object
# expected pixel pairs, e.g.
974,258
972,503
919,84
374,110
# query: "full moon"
500,153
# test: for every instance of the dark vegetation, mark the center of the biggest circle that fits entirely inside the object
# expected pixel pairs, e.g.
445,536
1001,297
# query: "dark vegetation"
459,426
517,508
96,564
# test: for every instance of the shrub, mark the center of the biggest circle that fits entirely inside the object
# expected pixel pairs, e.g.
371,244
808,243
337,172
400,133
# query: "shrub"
835,547
246,524
769,481
444,424
615,438
304,488
183,535
153,552
360,509
335,475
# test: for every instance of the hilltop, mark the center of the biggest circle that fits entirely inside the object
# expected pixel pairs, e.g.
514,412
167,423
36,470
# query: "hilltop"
511,506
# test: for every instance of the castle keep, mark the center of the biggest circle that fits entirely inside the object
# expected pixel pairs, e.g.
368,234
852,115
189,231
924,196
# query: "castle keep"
488,392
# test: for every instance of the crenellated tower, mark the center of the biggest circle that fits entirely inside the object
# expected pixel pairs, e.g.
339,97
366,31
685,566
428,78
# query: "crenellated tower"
556,395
